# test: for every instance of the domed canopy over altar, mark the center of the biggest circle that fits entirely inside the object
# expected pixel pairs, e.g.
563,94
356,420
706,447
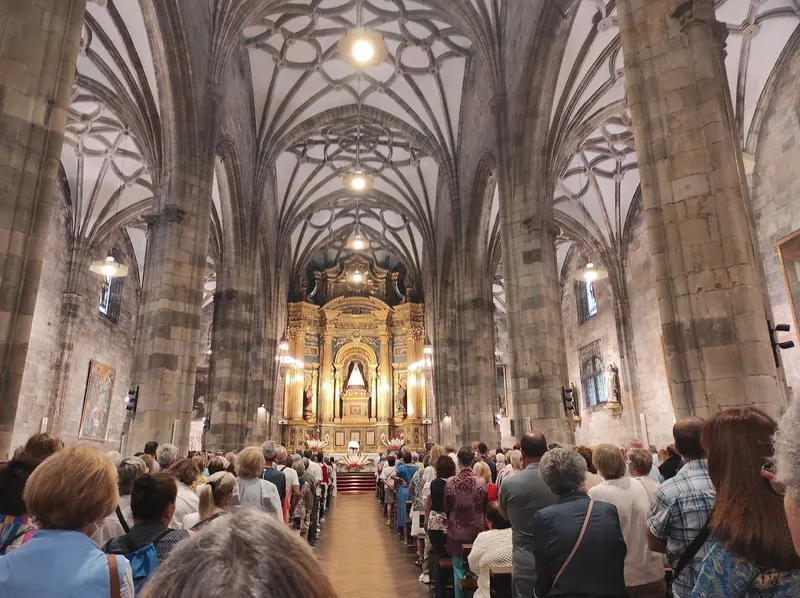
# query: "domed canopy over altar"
354,340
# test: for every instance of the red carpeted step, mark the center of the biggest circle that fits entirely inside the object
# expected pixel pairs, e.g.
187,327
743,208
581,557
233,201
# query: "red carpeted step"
357,482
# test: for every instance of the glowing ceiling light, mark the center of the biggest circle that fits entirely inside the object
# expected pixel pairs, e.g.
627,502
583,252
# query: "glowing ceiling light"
363,51
590,273
358,181
362,47
356,277
109,267
358,243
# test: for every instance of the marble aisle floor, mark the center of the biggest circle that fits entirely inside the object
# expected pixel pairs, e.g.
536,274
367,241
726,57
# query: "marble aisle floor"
362,557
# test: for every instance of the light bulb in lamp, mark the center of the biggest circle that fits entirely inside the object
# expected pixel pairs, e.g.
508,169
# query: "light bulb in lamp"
362,47
356,277
363,51
358,181
109,267
358,243
283,346
590,273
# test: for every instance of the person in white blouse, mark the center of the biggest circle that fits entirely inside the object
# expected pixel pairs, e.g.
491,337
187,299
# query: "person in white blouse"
252,491
216,495
644,570
127,471
492,548
185,472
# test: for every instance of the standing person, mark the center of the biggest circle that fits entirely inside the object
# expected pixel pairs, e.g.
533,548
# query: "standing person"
16,526
415,490
121,520
483,452
151,448
513,466
787,461
166,455
302,510
253,491
436,520
492,548
681,510
521,496
67,495
331,465
402,475
640,470
754,554
482,470
644,570
292,480
388,482
324,487
578,541
216,496
592,477
270,473
672,465
314,471
464,505
185,472
635,443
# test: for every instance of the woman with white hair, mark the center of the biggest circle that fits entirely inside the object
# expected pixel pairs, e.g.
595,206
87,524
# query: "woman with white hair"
578,541
247,553
787,461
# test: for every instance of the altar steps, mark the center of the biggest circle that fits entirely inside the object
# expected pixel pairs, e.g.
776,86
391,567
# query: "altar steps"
356,482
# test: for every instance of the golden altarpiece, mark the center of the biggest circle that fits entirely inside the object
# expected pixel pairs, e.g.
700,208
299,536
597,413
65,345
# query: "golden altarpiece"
356,349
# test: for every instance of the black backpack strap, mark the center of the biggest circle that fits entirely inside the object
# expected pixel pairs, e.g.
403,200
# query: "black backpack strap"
692,550
122,521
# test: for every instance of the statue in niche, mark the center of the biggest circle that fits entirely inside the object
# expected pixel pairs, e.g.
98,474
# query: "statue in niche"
409,285
308,399
355,376
302,288
401,400
612,375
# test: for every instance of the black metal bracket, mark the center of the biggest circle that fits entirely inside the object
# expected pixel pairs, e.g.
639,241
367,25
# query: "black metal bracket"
777,344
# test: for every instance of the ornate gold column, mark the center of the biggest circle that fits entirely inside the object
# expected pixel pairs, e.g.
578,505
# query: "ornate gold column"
416,388
326,388
373,383
295,377
384,407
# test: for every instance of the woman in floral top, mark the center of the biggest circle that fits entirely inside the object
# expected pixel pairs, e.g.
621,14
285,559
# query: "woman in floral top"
15,526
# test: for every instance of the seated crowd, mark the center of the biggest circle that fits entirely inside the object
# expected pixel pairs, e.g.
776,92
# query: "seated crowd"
716,514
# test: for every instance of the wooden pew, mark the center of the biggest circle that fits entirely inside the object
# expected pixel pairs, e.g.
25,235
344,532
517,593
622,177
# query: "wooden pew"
444,575
500,582
469,584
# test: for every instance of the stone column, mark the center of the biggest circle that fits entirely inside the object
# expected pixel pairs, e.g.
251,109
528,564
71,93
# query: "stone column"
385,375
696,205
231,412
39,46
326,376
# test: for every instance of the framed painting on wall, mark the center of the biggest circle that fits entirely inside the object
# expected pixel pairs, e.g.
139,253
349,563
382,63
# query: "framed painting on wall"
370,438
97,402
789,253
339,438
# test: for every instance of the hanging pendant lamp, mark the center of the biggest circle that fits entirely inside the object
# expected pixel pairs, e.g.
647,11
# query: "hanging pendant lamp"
110,267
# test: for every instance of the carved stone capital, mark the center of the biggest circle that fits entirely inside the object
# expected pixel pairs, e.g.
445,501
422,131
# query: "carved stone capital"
326,337
697,13
169,213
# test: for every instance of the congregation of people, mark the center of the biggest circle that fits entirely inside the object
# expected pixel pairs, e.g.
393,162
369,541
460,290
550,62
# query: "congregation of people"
716,514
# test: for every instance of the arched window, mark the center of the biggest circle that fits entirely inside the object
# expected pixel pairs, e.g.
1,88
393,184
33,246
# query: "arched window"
111,294
585,300
593,380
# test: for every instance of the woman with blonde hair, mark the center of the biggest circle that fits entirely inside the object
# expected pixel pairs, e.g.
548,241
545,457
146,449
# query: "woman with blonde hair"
512,467
482,470
252,491
69,495
216,495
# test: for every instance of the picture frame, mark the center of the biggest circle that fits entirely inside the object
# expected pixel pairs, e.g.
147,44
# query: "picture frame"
97,399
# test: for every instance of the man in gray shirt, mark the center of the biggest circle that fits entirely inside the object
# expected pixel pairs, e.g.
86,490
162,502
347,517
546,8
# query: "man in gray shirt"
521,496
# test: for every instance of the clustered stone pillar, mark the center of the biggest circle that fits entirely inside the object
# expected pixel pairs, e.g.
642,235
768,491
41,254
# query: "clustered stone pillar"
695,197
38,49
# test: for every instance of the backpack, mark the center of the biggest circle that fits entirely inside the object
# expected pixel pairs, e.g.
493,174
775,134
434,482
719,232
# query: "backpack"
144,560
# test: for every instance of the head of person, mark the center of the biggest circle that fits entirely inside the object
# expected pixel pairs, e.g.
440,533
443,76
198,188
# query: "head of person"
445,467
283,456
515,456
128,470
216,493
481,469
609,461
586,453
299,468
406,457
216,464
153,498
687,438
482,448
641,462
533,446
437,450
632,443
250,462
150,448
201,461
149,462
166,455
391,460
308,454
270,451
247,553
662,456
748,515
426,460
653,450
13,477
500,458
74,489
562,470
671,452
115,457
320,458
475,445
553,445
787,464
466,457
451,450
41,446
185,471
495,518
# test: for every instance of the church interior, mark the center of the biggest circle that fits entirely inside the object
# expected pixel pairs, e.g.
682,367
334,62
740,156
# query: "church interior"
327,222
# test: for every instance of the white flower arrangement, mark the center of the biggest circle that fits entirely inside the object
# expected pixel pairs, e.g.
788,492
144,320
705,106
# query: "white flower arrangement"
315,444
353,462
395,444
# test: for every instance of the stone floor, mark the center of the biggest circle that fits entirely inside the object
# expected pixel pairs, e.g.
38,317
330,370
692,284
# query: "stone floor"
362,557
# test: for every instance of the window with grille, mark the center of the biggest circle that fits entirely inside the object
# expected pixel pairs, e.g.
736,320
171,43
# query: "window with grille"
585,300
110,295
593,378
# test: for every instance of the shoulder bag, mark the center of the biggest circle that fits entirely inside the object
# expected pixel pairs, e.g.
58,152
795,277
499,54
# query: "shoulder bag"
577,543
113,576
122,521
692,550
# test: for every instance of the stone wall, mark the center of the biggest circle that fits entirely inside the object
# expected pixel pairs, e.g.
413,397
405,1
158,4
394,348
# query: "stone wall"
774,195
97,338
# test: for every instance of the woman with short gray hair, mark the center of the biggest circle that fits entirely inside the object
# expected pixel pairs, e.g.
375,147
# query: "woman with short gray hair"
247,553
578,542
121,520
787,462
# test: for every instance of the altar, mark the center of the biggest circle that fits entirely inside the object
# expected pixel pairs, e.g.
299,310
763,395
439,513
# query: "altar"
353,340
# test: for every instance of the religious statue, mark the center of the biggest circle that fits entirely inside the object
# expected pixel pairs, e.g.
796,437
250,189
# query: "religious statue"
409,285
302,288
401,400
308,399
612,375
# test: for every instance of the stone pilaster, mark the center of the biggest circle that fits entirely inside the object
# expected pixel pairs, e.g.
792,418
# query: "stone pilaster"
695,199
39,46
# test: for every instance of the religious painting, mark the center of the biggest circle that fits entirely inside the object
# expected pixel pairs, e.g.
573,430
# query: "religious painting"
201,391
339,438
97,402
370,438
355,437
502,389
401,393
